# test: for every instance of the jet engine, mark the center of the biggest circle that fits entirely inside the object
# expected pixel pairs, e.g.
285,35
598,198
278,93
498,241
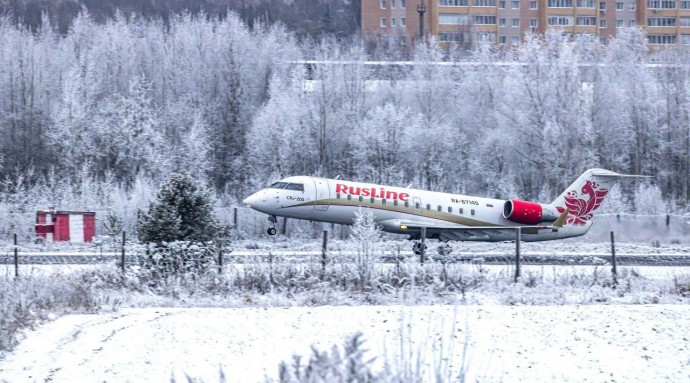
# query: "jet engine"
529,213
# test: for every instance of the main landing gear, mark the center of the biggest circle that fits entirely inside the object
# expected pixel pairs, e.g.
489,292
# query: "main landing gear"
272,230
443,248
418,247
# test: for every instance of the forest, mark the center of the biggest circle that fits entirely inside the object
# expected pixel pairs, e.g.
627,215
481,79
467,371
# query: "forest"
97,116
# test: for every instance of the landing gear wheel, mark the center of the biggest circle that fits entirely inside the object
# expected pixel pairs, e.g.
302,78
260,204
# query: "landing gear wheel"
417,248
272,219
444,249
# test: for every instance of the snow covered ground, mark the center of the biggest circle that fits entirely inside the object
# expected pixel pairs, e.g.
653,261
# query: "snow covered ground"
504,343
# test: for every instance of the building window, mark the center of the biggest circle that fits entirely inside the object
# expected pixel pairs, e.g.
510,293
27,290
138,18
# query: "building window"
661,4
620,23
515,40
403,22
383,4
560,20
515,4
585,3
484,3
684,4
502,4
403,3
502,22
661,39
685,39
602,5
684,21
560,4
392,4
602,23
453,18
453,3
532,4
489,37
533,23
456,37
516,23
619,5
631,23
502,39
661,22
586,20
631,6
383,22
392,21
484,19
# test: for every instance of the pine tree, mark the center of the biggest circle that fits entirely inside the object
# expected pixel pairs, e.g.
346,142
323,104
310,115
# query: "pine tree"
182,212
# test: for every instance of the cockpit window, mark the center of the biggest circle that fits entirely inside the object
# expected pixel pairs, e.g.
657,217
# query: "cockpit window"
298,187
279,185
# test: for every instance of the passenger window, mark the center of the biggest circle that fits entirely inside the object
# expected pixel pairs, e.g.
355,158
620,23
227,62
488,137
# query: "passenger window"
349,197
337,195
472,211
461,211
361,199
450,209
416,205
395,202
383,201
407,204
439,208
428,206
373,200
297,187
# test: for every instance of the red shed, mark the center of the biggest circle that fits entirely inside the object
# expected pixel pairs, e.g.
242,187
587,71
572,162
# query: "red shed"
61,225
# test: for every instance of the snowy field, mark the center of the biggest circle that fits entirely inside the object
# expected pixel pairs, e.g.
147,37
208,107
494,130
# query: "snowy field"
516,344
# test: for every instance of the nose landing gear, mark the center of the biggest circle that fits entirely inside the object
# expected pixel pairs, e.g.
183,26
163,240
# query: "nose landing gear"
272,230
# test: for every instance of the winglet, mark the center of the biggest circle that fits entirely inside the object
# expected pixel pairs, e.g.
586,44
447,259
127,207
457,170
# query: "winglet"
561,219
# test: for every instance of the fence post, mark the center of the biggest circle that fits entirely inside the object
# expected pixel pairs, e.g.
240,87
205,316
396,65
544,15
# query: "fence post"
220,256
324,250
518,238
16,257
422,247
614,269
122,259
234,218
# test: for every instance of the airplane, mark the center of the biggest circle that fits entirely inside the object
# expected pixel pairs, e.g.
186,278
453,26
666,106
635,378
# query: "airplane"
442,216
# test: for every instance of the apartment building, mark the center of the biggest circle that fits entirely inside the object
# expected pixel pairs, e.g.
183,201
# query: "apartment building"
666,22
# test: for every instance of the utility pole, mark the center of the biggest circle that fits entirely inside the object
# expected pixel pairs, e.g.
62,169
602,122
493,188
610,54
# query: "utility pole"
421,9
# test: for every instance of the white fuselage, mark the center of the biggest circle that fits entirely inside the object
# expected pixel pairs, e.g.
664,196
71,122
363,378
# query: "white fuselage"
337,201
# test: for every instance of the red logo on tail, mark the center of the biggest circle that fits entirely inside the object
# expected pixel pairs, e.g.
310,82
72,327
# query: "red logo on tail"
580,208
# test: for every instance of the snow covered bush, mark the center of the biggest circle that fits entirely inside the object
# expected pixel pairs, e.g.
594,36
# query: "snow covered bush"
179,227
365,234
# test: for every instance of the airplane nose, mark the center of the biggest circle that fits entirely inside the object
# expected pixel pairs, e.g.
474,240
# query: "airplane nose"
251,200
